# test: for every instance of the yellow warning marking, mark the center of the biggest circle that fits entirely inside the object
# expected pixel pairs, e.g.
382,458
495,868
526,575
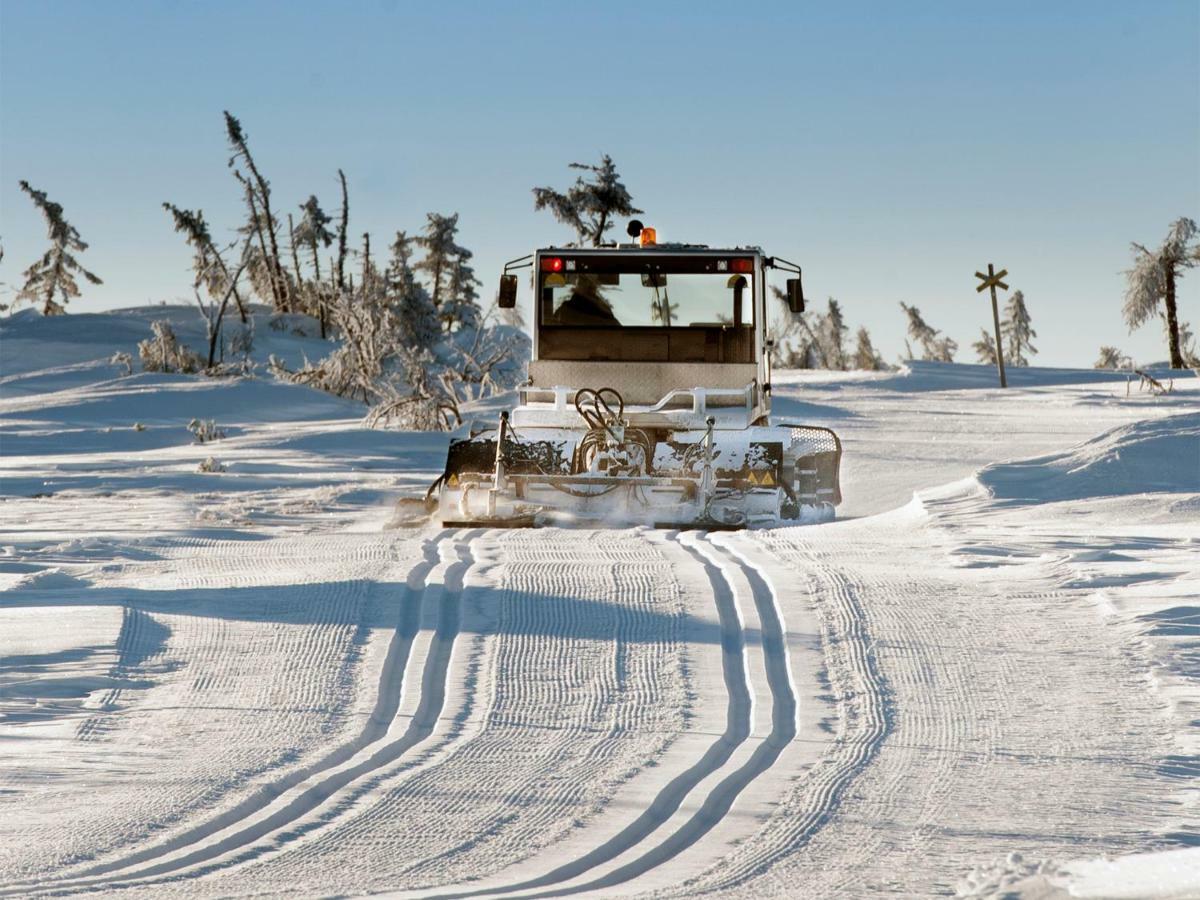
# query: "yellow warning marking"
452,481
767,479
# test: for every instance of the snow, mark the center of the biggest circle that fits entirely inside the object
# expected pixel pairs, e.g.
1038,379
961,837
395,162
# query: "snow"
982,679
1172,874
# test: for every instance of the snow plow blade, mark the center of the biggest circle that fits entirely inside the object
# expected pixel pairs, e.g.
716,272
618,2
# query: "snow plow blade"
764,475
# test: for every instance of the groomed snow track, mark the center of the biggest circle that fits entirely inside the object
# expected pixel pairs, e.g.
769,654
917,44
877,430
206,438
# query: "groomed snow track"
559,713
617,617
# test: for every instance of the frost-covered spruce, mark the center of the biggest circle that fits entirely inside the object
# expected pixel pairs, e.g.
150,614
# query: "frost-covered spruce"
415,313
1111,358
449,277
985,347
589,207
312,233
832,334
866,357
460,310
793,337
265,267
934,347
51,280
209,266
1152,281
1017,331
1187,346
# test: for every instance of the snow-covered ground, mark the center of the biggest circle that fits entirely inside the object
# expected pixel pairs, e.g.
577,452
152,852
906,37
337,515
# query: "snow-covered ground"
983,680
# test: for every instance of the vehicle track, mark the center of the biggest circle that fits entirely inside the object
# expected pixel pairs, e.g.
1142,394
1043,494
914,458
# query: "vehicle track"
989,699
600,611
718,562
864,724
216,668
227,833
450,703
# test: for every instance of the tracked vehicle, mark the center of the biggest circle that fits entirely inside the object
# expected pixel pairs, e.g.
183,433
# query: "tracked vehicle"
648,399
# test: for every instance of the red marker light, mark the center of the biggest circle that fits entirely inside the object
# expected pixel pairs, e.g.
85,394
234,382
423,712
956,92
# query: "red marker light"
741,265
552,264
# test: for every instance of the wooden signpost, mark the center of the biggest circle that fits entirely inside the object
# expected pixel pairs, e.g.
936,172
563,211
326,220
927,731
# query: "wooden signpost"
992,280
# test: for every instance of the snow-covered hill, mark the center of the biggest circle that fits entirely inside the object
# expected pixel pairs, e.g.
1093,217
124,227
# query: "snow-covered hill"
238,677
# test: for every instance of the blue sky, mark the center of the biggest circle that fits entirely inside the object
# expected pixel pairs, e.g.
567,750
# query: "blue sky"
891,148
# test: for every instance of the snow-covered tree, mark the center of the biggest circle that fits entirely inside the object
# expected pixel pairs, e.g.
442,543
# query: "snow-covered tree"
460,309
208,265
918,329
589,206
339,267
211,272
164,353
1187,346
260,266
313,234
866,357
261,219
801,341
313,231
934,347
1152,281
450,279
944,349
1110,358
51,280
1017,331
415,312
370,274
985,347
407,385
440,249
831,334
795,342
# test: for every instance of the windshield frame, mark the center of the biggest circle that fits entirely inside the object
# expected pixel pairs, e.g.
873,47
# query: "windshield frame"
625,261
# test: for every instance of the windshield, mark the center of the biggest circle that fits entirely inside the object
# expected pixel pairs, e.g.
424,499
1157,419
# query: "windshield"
660,309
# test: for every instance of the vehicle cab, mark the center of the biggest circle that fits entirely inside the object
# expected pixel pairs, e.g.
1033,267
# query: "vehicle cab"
680,331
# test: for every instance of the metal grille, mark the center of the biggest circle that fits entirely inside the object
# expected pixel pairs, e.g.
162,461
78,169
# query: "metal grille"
818,455
810,439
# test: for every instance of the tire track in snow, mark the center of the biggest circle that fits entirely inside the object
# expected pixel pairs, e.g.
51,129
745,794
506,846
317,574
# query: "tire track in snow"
604,619
919,738
783,728
1003,728
257,667
205,840
865,719
716,562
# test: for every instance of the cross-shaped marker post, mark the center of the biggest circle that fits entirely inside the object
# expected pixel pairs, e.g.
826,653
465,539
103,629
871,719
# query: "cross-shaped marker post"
992,280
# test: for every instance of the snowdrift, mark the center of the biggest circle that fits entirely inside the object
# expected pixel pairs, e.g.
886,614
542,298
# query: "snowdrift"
1152,456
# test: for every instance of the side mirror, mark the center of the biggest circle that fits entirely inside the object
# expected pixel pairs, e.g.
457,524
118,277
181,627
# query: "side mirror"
508,292
795,295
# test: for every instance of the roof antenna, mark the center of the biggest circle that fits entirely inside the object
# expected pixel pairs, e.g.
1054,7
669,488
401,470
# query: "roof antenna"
634,229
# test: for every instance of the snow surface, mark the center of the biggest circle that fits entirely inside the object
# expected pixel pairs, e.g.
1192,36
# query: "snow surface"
982,680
